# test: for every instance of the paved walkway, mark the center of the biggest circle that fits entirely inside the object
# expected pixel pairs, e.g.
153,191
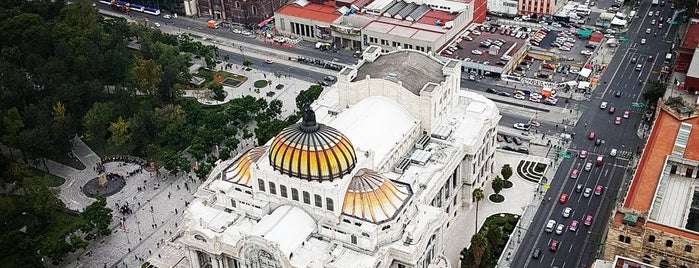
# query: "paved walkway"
519,199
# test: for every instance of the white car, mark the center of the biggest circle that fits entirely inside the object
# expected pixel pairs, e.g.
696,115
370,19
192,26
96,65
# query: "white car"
269,61
166,16
588,166
567,212
586,52
648,31
560,228
564,48
476,52
156,24
247,33
603,105
521,126
519,96
643,41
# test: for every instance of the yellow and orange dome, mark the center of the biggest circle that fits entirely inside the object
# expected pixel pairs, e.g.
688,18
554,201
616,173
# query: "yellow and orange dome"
312,151
374,198
239,171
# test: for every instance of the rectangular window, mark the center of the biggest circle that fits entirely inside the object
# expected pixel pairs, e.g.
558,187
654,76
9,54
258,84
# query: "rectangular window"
353,239
318,201
272,188
294,194
282,189
306,197
329,204
261,184
232,203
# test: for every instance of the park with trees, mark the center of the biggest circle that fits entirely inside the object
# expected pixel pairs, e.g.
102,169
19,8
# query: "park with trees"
66,71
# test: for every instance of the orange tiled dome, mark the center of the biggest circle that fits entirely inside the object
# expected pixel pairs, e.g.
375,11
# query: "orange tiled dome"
239,171
312,151
372,197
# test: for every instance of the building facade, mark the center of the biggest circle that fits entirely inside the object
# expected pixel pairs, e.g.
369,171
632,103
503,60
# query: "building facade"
539,7
372,177
248,13
505,7
658,222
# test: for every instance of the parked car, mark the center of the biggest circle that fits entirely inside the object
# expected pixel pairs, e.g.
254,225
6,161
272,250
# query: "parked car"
517,140
490,90
500,138
508,139
521,126
330,78
520,97
504,93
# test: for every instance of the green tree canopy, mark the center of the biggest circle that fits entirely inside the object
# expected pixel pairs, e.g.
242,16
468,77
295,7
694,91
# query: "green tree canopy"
97,217
506,172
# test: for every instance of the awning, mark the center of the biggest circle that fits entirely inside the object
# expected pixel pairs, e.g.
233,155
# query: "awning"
618,22
265,22
584,85
585,72
583,33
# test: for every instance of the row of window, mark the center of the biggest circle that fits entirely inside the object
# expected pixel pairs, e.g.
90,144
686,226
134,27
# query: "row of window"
668,243
283,191
303,29
384,42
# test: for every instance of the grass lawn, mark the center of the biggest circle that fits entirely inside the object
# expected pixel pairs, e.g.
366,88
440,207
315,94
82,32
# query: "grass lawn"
102,147
54,181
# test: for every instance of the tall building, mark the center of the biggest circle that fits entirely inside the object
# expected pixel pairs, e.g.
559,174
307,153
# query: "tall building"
373,176
539,8
658,222
243,12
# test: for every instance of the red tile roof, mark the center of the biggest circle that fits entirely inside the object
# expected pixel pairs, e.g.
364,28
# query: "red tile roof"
433,15
313,12
659,145
691,39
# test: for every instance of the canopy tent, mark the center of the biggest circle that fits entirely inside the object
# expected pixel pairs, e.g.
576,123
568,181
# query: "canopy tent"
584,33
585,72
619,22
584,85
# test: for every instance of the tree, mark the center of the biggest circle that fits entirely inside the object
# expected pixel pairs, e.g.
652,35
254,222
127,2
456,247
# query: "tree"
268,129
653,92
247,63
97,119
494,235
146,75
42,198
97,216
506,171
480,249
120,132
477,197
12,124
308,96
226,57
497,185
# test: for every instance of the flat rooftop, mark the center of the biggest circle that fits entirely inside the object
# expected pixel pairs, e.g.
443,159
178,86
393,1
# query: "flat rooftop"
412,68
315,12
691,39
468,46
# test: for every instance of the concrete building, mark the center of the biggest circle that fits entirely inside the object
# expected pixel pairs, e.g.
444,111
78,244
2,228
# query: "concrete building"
658,222
424,26
373,176
506,7
249,13
538,8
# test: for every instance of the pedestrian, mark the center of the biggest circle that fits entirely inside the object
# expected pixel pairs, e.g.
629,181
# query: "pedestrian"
175,211
151,208
149,252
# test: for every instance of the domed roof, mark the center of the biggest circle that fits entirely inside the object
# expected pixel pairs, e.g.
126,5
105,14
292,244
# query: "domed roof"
239,171
312,151
372,197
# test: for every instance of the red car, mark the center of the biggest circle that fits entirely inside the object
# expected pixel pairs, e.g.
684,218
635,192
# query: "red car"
599,189
554,245
626,114
591,136
617,121
563,199
612,110
574,174
588,220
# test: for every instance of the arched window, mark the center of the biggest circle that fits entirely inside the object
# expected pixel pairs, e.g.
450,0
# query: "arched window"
282,190
687,248
651,238
294,194
627,239
329,204
306,197
668,243
261,184
664,264
318,200
272,188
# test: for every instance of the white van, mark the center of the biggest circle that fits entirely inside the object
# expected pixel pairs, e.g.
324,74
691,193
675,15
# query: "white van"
613,153
550,226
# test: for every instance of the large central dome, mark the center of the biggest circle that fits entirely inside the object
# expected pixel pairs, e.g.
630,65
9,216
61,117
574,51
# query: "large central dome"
312,151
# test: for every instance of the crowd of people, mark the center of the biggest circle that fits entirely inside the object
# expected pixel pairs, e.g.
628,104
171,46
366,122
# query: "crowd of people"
123,158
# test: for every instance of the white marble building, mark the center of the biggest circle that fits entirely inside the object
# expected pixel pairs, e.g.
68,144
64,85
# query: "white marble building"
372,176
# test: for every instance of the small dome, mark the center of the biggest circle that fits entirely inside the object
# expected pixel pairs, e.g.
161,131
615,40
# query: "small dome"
239,171
312,151
372,197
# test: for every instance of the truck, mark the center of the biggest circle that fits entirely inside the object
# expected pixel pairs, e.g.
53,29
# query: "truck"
212,24
655,2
